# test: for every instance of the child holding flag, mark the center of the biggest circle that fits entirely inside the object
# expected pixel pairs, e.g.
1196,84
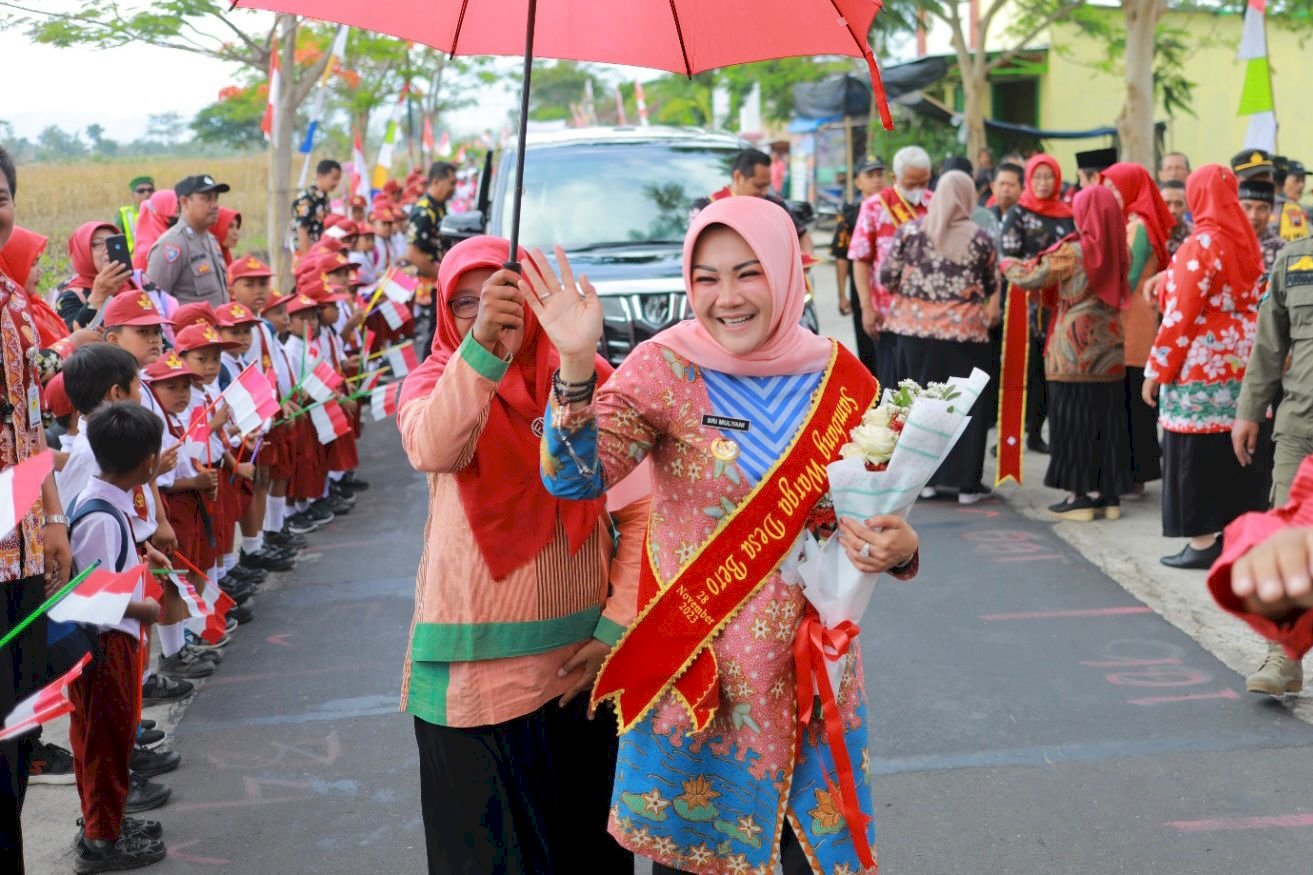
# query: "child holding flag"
307,485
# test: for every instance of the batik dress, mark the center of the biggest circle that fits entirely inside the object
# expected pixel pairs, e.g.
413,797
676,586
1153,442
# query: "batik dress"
715,801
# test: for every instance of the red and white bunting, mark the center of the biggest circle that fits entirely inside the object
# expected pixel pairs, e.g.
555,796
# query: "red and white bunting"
20,487
402,359
330,422
251,400
383,400
323,382
44,705
100,600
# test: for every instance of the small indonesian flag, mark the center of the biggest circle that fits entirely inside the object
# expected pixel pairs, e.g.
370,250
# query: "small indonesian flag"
330,422
251,400
198,429
196,606
395,314
100,600
371,380
216,603
383,400
321,383
44,705
20,487
399,286
402,359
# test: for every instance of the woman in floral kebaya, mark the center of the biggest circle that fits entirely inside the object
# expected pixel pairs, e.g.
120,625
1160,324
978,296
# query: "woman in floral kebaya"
1209,301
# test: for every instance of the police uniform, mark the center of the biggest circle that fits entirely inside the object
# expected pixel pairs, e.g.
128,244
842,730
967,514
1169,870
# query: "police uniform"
1285,328
1290,219
189,263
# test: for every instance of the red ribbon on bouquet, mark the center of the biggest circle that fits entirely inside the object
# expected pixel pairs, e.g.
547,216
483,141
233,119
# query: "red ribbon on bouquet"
814,645
1012,385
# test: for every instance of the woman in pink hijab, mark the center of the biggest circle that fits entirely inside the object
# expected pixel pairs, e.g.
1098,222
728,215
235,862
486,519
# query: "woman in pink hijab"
731,408
157,215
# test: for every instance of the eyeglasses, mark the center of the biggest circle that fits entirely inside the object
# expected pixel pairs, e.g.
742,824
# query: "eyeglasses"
145,190
99,244
465,307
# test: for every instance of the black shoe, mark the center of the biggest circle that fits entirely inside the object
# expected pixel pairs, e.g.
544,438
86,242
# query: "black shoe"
266,559
1035,443
287,539
246,575
299,524
150,829
236,590
129,852
50,764
319,512
241,614
342,493
144,794
147,724
150,763
356,484
163,689
1189,557
338,506
148,736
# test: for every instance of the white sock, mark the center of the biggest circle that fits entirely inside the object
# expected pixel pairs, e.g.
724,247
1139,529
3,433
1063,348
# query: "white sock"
229,562
252,545
146,674
325,495
171,639
275,513
335,476
301,505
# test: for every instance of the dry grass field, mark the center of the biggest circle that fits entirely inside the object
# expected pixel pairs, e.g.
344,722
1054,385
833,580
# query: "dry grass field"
54,199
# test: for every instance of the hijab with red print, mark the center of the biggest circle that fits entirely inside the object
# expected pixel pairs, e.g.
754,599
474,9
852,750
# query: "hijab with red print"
16,262
1051,206
1102,230
512,515
1140,197
1212,197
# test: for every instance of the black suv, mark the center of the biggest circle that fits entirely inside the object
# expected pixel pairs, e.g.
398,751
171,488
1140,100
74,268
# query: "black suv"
618,201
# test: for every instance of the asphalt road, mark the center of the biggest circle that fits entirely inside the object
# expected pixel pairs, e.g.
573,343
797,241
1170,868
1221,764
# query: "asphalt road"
1030,717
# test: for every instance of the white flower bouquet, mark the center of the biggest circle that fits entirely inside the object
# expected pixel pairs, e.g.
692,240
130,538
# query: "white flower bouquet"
893,453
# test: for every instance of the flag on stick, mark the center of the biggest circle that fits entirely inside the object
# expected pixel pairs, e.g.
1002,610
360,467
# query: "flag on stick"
394,314
359,171
383,400
269,123
20,487
402,359
46,704
399,286
383,164
100,600
1256,93
322,382
330,421
251,400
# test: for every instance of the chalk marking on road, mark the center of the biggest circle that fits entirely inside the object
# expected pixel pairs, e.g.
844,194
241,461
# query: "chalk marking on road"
176,852
1190,697
280,639
1058,615
1278,821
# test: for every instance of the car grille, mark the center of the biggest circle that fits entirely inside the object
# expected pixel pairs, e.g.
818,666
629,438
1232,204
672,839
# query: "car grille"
630,319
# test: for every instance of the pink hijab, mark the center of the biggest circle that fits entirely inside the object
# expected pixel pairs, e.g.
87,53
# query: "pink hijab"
789,348
157,215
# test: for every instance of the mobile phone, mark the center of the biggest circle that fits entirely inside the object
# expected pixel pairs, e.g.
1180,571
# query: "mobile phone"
117,247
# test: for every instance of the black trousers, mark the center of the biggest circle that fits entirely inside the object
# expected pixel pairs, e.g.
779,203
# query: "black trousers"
530,796
22,672
793,860
865,343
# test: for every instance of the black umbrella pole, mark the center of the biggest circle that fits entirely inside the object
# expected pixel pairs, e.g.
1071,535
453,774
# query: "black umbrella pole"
513,262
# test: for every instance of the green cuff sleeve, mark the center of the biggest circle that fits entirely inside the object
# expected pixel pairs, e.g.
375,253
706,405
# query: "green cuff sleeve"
608,631
485,363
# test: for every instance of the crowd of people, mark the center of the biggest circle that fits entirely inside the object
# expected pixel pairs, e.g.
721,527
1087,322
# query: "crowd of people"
1152,355
123,370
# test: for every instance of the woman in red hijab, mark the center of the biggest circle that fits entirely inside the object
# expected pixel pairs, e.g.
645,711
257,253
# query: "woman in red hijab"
228,231
1089,437
512,590
1149,225
1209,301
157,215
95,279
18,261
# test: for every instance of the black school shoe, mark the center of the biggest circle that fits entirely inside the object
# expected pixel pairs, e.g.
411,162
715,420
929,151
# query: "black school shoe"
242,614
163,689
129,852
150,763
266,560
342,493
286,541
354,483
237,591
144,794
319,512
246,575
1190,558
299,524
150,829
50,764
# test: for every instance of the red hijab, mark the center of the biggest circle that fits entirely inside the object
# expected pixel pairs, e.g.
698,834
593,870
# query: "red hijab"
1140,197
227,216
1102,231
1051,206
157,215
511,513
79,253
16,262
1211,196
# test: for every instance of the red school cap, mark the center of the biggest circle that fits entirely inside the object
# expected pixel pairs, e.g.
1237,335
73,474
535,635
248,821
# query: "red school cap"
233,314
250,266
57,400
133,308
195,337
168,366
196,313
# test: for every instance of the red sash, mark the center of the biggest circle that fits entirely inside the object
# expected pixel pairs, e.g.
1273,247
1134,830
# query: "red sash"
669,643
1012,385
900,211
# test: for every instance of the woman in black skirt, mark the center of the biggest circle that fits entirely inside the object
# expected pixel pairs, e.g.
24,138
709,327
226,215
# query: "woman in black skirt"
939,272
1084,361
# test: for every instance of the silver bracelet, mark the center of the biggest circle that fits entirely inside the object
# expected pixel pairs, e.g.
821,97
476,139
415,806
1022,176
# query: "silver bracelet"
54,519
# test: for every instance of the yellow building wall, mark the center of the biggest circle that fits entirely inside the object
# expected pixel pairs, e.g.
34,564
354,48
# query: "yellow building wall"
1074,95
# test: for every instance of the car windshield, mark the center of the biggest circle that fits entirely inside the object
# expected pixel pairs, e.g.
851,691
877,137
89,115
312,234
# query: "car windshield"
582,197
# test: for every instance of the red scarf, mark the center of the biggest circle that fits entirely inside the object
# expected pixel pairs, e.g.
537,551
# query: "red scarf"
1051,206
220,230
16,262
1103,245
512,515
1140,197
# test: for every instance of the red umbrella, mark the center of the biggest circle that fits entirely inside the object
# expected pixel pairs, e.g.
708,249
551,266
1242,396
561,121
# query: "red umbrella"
682,36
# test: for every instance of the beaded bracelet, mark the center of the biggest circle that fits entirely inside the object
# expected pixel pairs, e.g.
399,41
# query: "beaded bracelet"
572,393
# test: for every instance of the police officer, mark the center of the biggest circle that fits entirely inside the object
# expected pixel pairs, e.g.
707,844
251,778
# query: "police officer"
142,187
1285,328
1290,218
186,260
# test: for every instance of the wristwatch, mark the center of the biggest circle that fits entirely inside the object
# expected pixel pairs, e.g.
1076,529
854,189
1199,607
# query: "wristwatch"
54,519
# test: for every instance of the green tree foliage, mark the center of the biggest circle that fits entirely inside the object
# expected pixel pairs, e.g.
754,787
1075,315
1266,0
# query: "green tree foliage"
234,119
